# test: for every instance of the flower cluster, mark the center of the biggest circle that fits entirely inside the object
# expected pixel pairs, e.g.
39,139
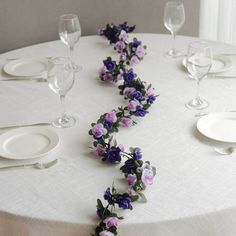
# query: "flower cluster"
140,97
115,33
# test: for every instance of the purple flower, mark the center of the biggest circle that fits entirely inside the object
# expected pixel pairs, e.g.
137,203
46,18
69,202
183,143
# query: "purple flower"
128,91
121,147
119,77
102,71
123,35
129,75
137,95
140,112
108,196
99,150
107,124
124,202
140,51
131,192
123,56
129,166
132,105
126,122
111,221
98,130
131,179
151,99
106,233
138,154
134,61
147,176
150,92
110,65
136,43
107,77
120,46
113,155
111,116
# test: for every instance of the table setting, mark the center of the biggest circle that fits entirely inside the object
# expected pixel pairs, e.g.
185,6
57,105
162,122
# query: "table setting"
65,110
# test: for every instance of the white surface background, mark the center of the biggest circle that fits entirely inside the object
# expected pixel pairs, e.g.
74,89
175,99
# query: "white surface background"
194,192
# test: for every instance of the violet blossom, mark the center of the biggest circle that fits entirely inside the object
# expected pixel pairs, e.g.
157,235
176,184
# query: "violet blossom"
106,233
111,221
111,116
98,130
134,60
126,122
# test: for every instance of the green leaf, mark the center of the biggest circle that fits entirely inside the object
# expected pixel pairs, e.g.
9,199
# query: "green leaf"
99,204
144,199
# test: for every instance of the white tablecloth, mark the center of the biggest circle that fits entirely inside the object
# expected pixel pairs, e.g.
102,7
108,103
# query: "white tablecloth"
194,193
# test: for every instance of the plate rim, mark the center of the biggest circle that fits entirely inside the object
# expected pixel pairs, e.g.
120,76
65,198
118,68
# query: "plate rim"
199,123
29,130
11,63
226,59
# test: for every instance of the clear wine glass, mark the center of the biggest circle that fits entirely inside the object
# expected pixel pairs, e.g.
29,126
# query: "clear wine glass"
198,62
174,18
70,32
61,79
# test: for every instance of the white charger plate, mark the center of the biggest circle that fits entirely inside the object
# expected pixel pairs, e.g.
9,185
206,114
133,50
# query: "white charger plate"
220,63
220,126
26,67
27,143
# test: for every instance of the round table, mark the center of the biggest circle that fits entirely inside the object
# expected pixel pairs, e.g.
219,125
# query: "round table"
194,191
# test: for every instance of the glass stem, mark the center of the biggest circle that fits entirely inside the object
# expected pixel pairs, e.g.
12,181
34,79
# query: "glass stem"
63,113
71,49
198,89
173,44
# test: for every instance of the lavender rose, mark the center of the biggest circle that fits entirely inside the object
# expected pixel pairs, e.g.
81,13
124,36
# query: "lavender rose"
132,105
140,51
147,176
98,130
106,233
126,122
134,61
131,179
99,150
111,221
123,35
111,116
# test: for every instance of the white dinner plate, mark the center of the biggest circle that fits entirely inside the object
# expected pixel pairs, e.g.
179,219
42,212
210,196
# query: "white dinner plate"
27,142
220,126
220,63
26,67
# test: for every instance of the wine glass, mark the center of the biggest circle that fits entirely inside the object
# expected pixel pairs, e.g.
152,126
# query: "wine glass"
174,18
61,79
198,62
70,32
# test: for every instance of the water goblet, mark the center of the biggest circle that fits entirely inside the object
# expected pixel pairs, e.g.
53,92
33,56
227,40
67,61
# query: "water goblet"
60,78
70,32
174,18
198,62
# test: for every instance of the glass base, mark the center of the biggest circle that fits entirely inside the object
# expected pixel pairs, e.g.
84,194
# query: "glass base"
65,122
173,54
197,103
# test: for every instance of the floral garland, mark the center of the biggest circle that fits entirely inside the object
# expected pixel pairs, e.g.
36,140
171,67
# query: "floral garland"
140,96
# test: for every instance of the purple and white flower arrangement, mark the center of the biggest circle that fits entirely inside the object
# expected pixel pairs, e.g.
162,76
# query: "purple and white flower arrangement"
140,96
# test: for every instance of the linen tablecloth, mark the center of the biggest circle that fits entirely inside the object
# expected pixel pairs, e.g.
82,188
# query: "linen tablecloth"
194,192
